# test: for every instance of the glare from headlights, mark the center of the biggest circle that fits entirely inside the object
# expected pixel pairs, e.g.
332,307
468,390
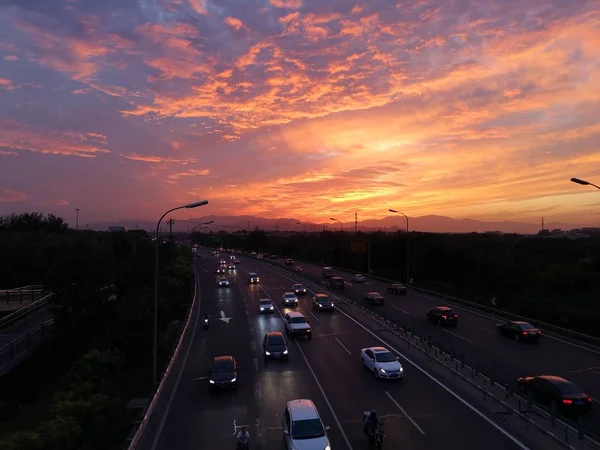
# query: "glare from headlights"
267,353
262,309
233,380
328,448
211,381
270,307
382,371
285,352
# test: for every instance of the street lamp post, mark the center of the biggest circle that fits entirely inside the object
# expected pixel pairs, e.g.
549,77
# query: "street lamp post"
301,224
76,219
407,251
584,183
341,240
155,313
198,226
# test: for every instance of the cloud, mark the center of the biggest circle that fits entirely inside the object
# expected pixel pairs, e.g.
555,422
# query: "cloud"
8,196
461,108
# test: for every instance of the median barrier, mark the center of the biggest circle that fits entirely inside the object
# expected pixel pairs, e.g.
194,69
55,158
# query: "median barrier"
22,294
535,416
24,312
14,352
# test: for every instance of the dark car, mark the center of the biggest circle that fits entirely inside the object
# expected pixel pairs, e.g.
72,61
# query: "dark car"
321,302
373,298
220,270
274,257
223,373
289,262
298,269
336,283
519,331
253,278
299,289
274,346
327,272
442,315
265,306
548,389
397,289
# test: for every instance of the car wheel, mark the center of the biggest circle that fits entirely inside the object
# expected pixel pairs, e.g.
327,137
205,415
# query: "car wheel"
375,374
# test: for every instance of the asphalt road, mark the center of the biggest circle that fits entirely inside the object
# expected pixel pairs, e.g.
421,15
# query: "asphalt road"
9,334
476,338
418,413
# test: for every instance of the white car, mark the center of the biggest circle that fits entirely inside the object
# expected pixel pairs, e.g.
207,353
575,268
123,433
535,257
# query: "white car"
265,306
231,267
359,278
303,428
223,282
297,325
382,362
289,298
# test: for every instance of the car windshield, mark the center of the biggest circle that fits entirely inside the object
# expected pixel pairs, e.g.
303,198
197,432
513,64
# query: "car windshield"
568,389
307,429
298,286
384,357
290,295
526,326
374,295
298,319
265,303
448,312
322,299
223,279
252,275
275,340
222,366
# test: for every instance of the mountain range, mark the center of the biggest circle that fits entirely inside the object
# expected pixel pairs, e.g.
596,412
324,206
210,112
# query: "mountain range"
430,224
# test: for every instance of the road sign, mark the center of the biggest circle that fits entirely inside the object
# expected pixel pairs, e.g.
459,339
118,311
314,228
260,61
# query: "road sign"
358,245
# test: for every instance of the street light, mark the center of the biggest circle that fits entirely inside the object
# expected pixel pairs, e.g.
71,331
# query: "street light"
301,224
341,224
155,325
76,219
196,227
584,183
407,254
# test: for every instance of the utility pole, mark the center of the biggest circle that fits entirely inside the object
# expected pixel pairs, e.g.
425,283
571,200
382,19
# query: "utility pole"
355,222
76,218
171,222
248,226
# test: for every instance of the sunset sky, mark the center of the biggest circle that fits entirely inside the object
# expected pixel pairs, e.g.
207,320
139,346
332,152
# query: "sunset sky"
301,108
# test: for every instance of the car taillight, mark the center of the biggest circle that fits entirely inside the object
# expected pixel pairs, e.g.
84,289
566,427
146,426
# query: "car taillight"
567,402
589,399
524,333
444,317
456,316
539,332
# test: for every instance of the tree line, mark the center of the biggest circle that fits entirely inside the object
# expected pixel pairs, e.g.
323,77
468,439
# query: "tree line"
553,280
74,391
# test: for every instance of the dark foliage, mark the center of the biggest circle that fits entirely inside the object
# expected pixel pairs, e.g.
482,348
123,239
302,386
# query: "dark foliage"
552,280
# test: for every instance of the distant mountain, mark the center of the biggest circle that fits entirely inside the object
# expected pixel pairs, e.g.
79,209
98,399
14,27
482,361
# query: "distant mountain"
431,224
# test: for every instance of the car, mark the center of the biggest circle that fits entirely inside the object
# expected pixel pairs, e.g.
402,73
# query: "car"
373,298
359,278
336,283
327,272
548,389
223,262
274,346
303,427
274,257
231,267
223,282
299,289
223,373
442,315
297,325
289,262
236,261
253,278
382,362
519,331
397,288
297,269
220,270
322,302
265,305
289,298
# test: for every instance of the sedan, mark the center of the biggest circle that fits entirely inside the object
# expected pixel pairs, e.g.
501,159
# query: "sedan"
231,267
265,305
299,289
223,373
381,362
373,298
321,302
442,315
220,270
290,299
397,289
223,282
518,330
223,262
548,389
298,269
359,278
274,345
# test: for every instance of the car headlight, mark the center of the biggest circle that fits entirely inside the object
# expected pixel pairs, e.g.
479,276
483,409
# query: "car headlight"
328,448
382,371
401,369
320,306
331,303
262,309
211,381
267,353
271,307
233,380
285,352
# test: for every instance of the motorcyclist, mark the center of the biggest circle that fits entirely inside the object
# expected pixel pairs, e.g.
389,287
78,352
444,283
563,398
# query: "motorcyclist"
243,438
372,421
205,320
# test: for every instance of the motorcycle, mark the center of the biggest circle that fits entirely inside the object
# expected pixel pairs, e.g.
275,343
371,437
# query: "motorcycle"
206,323
375,435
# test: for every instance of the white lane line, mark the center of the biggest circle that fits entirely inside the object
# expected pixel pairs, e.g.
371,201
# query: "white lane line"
335,417
313,314
572,344
520,444
163,419
405,413
343,346
401,310
458,336
347,284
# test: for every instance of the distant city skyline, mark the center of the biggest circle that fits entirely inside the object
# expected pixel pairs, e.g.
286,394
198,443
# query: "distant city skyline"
482,110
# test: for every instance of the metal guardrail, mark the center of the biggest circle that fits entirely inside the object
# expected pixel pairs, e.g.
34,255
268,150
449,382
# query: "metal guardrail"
483,309
21,294
438,352
21,313
12,353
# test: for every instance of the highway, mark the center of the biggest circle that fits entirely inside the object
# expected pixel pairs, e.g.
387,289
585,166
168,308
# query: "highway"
418,413
10,333
476,338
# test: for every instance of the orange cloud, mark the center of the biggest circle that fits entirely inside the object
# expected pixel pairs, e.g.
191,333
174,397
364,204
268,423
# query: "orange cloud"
237,24
156,159
286,4
199,6
8,196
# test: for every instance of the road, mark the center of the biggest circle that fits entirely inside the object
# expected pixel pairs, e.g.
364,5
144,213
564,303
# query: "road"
476,338
418,413
7,335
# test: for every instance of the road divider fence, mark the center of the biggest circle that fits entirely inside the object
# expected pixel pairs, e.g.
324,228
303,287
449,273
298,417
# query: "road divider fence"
22,294
511,403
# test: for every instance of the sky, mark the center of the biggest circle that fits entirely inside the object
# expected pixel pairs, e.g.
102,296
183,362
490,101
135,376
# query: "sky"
300,108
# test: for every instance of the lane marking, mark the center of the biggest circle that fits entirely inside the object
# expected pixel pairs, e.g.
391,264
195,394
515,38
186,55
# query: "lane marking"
458,336
516,441
401,310
255,364
405,413
163,419
343,346
312,314
335,417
